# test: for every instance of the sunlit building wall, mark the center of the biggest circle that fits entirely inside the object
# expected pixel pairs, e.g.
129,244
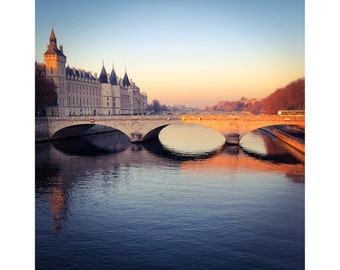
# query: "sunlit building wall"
82,93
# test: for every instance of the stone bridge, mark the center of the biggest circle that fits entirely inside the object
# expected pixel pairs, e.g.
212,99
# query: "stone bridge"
142,128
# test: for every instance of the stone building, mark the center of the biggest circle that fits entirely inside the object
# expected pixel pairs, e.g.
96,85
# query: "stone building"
120,96
81,93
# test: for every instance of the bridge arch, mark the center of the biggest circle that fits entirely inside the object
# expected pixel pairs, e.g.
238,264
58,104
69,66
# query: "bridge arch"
85,129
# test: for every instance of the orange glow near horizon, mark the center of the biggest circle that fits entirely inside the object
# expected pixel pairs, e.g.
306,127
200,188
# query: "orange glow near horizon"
232,164
207,89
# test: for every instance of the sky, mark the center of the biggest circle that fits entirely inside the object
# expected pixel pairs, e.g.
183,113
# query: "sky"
186,52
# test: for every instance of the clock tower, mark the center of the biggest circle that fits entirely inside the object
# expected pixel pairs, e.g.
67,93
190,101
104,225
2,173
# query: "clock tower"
55,62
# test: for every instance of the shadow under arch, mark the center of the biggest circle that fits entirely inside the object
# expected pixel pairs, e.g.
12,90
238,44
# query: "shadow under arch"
285,158
105,143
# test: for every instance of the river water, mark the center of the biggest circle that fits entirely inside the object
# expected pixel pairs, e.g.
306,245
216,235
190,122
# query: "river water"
184,201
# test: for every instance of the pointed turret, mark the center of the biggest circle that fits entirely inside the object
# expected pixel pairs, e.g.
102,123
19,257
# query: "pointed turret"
53,39
113,77
103,75
126,81
52,47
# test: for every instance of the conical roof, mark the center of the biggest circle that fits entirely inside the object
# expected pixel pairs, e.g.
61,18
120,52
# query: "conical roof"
103,76
52,35
52,47
113,77
53,39
126,81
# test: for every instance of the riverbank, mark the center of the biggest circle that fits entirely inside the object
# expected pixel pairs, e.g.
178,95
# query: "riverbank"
290,134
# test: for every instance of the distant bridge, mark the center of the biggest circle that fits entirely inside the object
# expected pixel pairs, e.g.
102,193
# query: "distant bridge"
142,128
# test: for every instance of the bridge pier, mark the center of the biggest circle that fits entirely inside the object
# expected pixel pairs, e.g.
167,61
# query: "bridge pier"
232,138
136,137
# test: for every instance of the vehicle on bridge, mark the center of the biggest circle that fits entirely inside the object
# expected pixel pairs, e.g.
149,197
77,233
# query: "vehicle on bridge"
290,112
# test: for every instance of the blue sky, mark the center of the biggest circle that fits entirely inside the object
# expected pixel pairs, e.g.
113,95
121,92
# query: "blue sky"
182,52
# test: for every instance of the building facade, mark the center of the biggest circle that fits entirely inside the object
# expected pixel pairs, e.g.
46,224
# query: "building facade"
82,93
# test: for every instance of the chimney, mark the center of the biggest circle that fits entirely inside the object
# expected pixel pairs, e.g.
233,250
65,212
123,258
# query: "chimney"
61,48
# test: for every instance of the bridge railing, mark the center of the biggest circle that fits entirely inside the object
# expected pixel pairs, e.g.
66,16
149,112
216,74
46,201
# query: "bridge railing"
174,117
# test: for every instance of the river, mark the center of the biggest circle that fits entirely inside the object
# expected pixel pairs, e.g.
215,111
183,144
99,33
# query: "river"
184,201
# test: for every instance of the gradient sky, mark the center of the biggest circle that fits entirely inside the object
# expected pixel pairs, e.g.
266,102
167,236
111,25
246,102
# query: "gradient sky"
188,52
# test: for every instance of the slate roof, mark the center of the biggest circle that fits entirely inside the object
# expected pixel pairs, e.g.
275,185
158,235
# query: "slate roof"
54,50
113,77
126,81
79,75
52,47
103,76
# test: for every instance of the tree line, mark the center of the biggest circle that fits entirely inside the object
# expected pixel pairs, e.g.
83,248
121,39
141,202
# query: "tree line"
290,97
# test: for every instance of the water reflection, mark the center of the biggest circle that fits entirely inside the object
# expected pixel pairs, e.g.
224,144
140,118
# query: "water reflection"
264,146
58,204
190,140
230,163
157,148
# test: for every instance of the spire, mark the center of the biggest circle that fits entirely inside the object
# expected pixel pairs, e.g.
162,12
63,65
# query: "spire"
52,47
53,39
103,75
